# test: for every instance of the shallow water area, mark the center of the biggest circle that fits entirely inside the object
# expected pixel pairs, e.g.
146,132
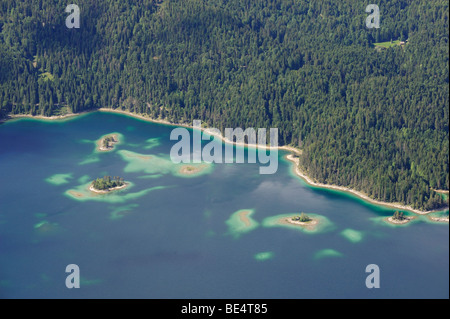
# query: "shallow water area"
190,230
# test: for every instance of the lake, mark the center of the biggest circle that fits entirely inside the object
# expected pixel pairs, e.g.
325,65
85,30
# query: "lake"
170,235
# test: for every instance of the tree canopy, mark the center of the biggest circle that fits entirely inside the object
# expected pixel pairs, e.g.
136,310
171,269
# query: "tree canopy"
107,182
374,120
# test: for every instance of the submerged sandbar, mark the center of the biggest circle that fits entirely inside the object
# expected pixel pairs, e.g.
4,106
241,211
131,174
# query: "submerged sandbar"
191,169
46,227
159,165
265,255
352,235
241,222
59,179
327,252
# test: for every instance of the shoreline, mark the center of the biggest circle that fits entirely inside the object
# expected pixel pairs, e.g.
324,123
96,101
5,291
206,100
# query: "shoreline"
311,222
359,194
404,221
42,117
310,225
149,119
97,191
289,157
439,219
206,130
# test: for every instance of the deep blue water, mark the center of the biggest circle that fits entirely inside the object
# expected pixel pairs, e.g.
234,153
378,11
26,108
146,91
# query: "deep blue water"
175,242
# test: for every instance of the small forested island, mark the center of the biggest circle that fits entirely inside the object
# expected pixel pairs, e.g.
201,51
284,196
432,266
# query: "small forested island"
303,218
107,142
107,184
399,218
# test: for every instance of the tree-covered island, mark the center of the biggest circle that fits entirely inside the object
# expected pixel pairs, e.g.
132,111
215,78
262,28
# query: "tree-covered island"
107,183
303,221
303,218
399,218
107,142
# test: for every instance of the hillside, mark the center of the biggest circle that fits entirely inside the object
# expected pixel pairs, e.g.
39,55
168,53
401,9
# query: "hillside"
374,120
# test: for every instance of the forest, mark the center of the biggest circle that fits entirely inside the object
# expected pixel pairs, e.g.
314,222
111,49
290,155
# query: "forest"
107,182
375,120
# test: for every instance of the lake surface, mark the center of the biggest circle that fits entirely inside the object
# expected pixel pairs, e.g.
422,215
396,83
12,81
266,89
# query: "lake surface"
174,236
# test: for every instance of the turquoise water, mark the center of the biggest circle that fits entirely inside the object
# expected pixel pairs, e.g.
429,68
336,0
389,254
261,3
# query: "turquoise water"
172,236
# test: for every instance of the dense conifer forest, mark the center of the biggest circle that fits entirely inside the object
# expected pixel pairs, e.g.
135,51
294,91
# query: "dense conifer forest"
374,119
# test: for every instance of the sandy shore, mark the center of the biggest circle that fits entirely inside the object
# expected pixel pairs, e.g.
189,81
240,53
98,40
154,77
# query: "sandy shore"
206,130
310,225
54,117
439,219
300,173
92,189
406,219
149,119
